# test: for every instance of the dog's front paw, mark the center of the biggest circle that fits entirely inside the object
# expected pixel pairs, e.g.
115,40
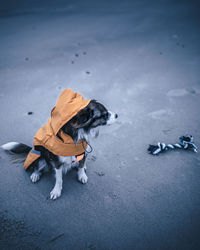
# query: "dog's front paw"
35,177
55,193
82,177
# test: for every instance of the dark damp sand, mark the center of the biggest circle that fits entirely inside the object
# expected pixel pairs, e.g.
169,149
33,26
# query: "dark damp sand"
142,61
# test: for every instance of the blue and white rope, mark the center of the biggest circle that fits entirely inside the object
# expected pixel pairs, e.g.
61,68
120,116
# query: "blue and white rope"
186,142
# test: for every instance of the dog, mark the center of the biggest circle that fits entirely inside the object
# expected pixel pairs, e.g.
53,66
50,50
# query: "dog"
81,127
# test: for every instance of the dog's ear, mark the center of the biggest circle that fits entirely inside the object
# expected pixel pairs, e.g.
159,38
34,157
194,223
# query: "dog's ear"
83,118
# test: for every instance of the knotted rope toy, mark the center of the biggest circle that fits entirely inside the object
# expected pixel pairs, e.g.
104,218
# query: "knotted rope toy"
185,142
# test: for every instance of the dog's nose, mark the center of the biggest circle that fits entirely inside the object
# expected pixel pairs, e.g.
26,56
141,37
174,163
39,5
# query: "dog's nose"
116,115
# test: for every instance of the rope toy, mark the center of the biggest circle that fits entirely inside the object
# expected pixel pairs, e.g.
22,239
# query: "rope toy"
185,142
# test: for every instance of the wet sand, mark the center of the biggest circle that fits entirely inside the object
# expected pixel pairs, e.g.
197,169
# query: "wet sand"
142,61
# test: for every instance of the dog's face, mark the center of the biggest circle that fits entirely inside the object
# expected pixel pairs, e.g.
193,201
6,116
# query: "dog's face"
94,115
89,119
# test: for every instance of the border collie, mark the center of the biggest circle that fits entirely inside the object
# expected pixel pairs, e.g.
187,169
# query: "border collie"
81,127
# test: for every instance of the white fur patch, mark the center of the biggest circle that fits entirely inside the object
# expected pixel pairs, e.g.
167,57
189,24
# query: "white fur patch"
94,132
82,135
82,177
35,176
67,162
9,145
56,191
112,119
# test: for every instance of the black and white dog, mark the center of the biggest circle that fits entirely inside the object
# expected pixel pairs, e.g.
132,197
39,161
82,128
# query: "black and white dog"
81,127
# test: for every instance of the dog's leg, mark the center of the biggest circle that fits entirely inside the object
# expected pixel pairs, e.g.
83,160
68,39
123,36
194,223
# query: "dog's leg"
56,191
35,176
82,177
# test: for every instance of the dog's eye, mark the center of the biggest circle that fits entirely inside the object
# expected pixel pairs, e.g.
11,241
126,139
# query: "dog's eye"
84,118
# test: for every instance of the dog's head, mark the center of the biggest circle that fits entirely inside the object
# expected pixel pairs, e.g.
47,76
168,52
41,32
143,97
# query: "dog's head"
88,121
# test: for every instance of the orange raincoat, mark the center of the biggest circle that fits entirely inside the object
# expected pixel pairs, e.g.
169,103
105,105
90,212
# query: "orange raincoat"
68,105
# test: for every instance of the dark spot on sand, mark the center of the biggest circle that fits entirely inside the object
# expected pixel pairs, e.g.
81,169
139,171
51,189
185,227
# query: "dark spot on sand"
76,54
90,247
161,53
56,237
72,62
113,196
88,72
192,91
122,163
26,58
30,113
84,53
183,45
93,158
100,173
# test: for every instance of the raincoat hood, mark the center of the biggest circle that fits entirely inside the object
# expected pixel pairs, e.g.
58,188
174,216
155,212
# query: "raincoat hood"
68,105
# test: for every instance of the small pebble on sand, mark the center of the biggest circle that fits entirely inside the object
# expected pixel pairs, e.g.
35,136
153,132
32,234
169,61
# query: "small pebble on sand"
30,113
